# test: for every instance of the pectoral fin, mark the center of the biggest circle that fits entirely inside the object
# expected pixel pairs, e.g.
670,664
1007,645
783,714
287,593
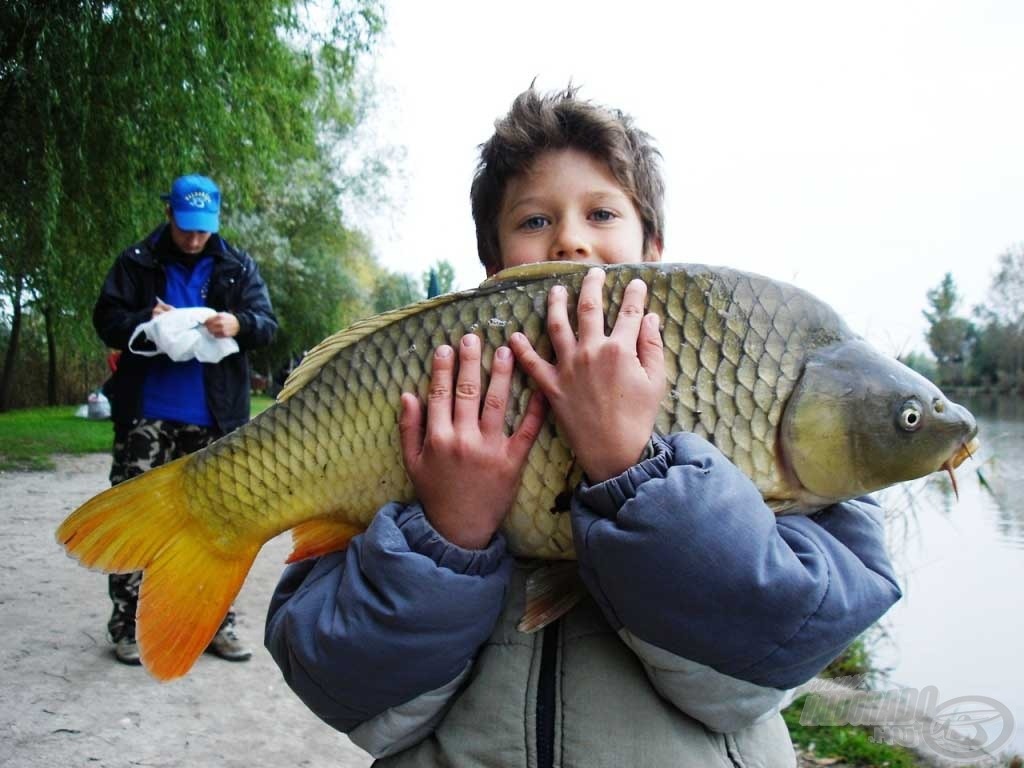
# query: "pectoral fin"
551,591
320,537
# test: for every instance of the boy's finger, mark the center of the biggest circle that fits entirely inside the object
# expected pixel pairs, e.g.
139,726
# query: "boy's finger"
650,348
631,312
492,416
559,329
410,428
536,367
467,384
590,308
529,428
439,396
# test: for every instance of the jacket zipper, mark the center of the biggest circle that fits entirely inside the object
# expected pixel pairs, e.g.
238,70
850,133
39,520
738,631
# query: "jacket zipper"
546,690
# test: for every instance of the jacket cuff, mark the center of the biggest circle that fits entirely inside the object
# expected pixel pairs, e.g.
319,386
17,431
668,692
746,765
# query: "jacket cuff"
605,498
244,323
424,539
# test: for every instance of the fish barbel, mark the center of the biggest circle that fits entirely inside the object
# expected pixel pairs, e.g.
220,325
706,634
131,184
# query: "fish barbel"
769,374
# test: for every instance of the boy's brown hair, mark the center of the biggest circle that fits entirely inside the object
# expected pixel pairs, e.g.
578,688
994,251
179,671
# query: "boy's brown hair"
537,123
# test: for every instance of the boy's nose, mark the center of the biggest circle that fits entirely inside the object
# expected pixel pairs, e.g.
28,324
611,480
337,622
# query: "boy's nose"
569,244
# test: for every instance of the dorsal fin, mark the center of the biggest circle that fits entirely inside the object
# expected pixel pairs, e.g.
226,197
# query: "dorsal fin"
323,352
533,272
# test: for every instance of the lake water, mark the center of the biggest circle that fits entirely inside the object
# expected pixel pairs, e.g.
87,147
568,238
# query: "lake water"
960,625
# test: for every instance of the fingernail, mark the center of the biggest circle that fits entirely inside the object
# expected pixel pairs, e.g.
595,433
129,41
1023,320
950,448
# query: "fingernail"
653,320
469,340
444,351
558,290
503,353
517,337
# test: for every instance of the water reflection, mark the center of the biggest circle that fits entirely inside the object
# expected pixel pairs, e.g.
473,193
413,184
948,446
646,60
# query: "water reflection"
961,563
998,466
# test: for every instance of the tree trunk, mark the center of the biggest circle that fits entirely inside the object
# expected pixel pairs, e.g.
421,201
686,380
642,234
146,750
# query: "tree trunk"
11,358
51,353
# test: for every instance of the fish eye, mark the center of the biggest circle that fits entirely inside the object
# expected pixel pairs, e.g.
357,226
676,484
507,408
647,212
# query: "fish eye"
910,417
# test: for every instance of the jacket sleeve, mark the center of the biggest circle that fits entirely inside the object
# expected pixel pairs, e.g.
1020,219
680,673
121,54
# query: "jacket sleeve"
118,312
257,323
377,639
726,604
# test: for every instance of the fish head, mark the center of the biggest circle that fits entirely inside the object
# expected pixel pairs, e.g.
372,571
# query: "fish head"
858,421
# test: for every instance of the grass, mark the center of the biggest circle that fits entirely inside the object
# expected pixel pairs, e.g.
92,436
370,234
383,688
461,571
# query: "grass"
30,436
852,744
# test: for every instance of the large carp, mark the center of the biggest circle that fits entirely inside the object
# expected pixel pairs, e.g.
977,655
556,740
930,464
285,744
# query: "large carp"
769,374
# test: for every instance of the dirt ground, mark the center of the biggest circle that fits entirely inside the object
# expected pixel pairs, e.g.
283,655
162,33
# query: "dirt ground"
65,701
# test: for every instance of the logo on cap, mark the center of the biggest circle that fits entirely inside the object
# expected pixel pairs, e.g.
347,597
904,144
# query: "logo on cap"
199,199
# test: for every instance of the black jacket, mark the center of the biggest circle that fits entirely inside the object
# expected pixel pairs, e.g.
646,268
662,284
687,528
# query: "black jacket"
127,299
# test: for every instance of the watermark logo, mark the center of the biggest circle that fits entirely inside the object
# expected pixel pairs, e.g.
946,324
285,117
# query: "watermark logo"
962,729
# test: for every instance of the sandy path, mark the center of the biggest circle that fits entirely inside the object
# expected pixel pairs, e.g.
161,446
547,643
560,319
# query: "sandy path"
65,701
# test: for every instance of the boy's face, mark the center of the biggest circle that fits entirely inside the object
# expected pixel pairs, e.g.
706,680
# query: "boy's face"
569,207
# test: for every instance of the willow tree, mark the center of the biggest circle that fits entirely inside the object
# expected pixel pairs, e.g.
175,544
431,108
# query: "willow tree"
102,103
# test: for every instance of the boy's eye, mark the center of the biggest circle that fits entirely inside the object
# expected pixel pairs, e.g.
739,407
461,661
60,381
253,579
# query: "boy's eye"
534,222
603,214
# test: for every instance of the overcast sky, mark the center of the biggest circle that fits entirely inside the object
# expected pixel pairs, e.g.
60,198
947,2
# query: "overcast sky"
859,150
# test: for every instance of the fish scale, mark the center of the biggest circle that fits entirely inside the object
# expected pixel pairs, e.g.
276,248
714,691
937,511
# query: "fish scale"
733,342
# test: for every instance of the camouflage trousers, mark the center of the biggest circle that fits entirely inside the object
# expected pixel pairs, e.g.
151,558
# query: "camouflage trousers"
145,444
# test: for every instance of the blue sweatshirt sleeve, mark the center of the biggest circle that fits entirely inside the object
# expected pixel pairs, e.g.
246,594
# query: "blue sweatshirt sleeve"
682,552
401,612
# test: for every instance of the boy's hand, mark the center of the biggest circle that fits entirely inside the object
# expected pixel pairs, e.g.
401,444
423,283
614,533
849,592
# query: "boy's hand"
605,391
465,470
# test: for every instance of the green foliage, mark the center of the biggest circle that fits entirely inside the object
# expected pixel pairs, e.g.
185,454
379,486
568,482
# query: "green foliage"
921,363
855,661
949,336
998,354
102,104
319,273
445,275
393,289
1006,294
987,351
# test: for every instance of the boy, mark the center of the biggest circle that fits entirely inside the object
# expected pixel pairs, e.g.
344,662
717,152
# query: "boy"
703,607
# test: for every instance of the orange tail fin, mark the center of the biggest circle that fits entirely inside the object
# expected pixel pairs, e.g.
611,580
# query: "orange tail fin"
188,583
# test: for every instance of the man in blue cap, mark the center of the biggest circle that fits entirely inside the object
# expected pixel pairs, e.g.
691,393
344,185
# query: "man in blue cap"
162,409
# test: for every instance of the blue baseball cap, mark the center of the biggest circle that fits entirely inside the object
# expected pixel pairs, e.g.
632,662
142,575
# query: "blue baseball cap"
195,203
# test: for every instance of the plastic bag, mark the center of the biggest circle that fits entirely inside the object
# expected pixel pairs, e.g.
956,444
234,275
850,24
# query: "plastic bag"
181,335
97,406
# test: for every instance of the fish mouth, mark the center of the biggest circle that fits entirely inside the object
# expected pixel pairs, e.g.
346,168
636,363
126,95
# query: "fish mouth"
964,452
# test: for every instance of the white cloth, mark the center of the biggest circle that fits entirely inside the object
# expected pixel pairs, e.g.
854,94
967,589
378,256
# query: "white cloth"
181,335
